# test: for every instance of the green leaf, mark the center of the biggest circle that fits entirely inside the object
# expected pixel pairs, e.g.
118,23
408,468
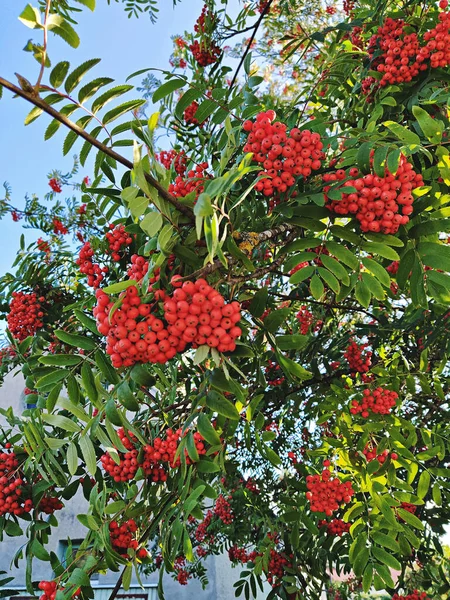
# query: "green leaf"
386,558
108,372
316,287
259,302
206,429
343,254
30,16
291,342
367,578
61,422
435,255
61,360
336,268
363,157
381,249
432,128
67,33
207,466
58,73
293,369
201,354
276,318
111,94
52,378
77,74
167,88
79,341
120,110
115,288
219,404
410,518
72,458
301,275
87,377
373,286
424,484
39,551
88,452
329,279
90,89
126,397
378,270
385,540
151,223
89,3
403,134
205,110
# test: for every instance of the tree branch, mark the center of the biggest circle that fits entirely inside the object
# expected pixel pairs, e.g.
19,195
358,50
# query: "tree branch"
34,99
250,41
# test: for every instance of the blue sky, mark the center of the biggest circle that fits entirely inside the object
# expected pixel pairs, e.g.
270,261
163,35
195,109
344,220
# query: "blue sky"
125,45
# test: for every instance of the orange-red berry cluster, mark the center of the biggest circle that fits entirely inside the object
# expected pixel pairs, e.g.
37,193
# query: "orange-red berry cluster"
128,465
411,508
359,360
381,204
379,401
222,509
415,595
205,53
95,273
274,373
283,155
196,314
58,227
276,567
371,453
335,527
206,21
193,182
25,314
236,554
43,246
139,268
11,501
173,158
123,536
189,115
55,184
399,54
118,239
49,588
49,504
305,319
331,10
327,493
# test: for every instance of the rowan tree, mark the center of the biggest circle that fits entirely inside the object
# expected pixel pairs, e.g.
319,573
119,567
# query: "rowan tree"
247,352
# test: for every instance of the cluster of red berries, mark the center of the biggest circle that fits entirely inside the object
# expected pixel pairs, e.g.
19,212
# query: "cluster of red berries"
411,508
49,504
43,246
196,314
402,56
379,401
284,156
393,267
251,485
164,450
415,595
58,227
123,536
183,575
95,273
331,10
205,53
11,501
16,216
206,21
241,555
49,588
276,567
194,182
380,204
173,158
326,494
349,6
138,269
118,239
128,466
359,360
305,319
222,509
335,527
55,184
25,314
189,115
201,532
371,453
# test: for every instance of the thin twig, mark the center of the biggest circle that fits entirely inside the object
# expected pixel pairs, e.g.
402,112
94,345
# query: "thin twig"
250,41
33,98
44,48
